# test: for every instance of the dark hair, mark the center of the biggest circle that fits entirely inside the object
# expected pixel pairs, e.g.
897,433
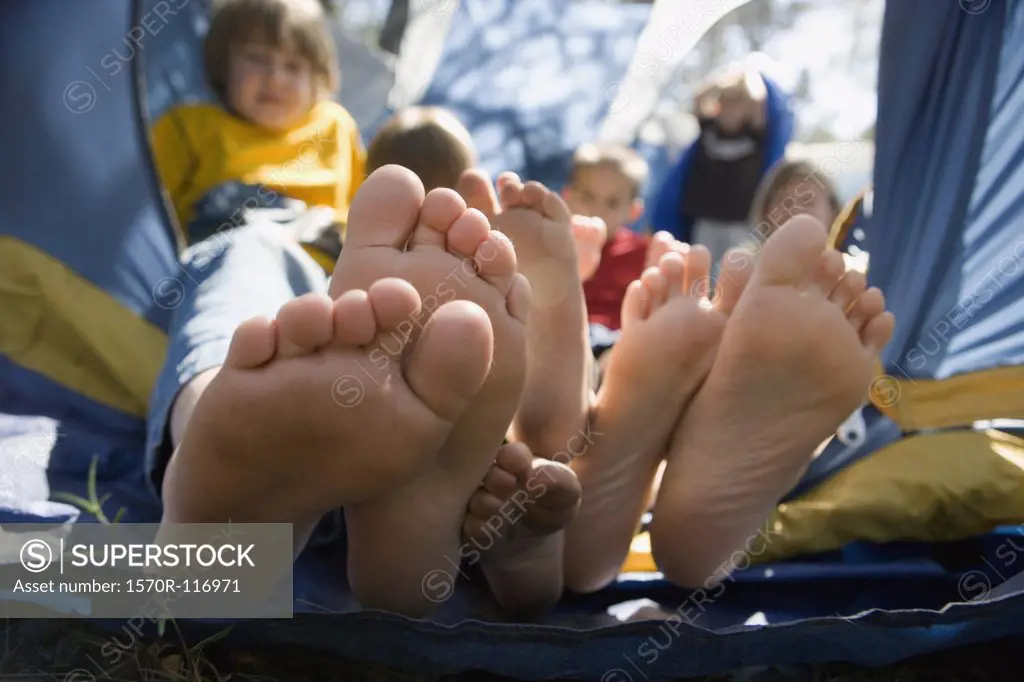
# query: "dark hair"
274,22
781,176
615,156
429,141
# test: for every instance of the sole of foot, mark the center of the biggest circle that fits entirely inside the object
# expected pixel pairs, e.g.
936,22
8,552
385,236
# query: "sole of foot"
670,334
557,390
304,416
513,528
796,359
447,252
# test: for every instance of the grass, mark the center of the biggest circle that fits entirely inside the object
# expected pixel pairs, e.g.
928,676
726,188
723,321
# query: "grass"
73,651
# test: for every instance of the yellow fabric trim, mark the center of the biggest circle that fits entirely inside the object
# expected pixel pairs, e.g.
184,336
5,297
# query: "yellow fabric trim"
844,221
322,259
640,559
918,404
929,488
62,326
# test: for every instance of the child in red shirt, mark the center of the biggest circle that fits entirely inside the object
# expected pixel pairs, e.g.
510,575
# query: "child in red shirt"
605,182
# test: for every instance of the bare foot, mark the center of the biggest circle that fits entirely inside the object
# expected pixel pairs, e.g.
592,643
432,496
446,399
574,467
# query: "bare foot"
514,524
668,343
557,391
662,243
303,417
796,359
446,252
590,235
477,190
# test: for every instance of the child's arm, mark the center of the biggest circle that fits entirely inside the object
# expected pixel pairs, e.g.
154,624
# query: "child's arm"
173,152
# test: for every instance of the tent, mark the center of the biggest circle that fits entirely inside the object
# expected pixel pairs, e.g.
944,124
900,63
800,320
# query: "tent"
89,278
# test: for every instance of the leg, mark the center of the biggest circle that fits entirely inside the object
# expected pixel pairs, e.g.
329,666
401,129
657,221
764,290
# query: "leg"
399,539
514,525
796,358
227,279
557,390
668,343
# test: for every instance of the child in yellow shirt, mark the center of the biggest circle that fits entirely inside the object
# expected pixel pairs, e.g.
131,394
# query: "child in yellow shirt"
276,139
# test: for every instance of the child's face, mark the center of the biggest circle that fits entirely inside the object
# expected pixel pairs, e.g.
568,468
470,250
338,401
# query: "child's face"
605,193
269,86
806,197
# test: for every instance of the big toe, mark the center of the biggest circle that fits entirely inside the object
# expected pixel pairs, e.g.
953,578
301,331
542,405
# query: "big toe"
477,191
450,361
385,209
793,254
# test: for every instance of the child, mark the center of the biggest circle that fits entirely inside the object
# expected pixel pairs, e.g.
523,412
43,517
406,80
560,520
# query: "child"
429,141
605,182
793,188
275,139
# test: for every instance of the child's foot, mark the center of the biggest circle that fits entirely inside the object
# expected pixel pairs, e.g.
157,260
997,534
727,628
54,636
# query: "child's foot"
514,527
477,190
667,346
557,390
590,235
796,359
446,252
303,417
662,243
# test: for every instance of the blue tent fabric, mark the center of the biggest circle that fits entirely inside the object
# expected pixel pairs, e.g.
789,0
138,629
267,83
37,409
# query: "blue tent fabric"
944,236
781,121
100,213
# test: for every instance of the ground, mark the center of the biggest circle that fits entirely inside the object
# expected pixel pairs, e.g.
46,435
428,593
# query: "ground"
66,651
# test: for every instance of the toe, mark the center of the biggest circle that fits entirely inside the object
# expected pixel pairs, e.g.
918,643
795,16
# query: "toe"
483,505
737,267
440,210
868,305
562,488
661,243
477,191
657,287
385,209
829,273
673,269
304,325
510,190
792,255
554,207
698,272
495,261
636,305
500,483
467,233
354,322
519,299
849,288
396,306
516,459
253,344
878,331
451,359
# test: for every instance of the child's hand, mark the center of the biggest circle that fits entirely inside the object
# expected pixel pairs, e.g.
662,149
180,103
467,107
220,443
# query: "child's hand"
590,235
